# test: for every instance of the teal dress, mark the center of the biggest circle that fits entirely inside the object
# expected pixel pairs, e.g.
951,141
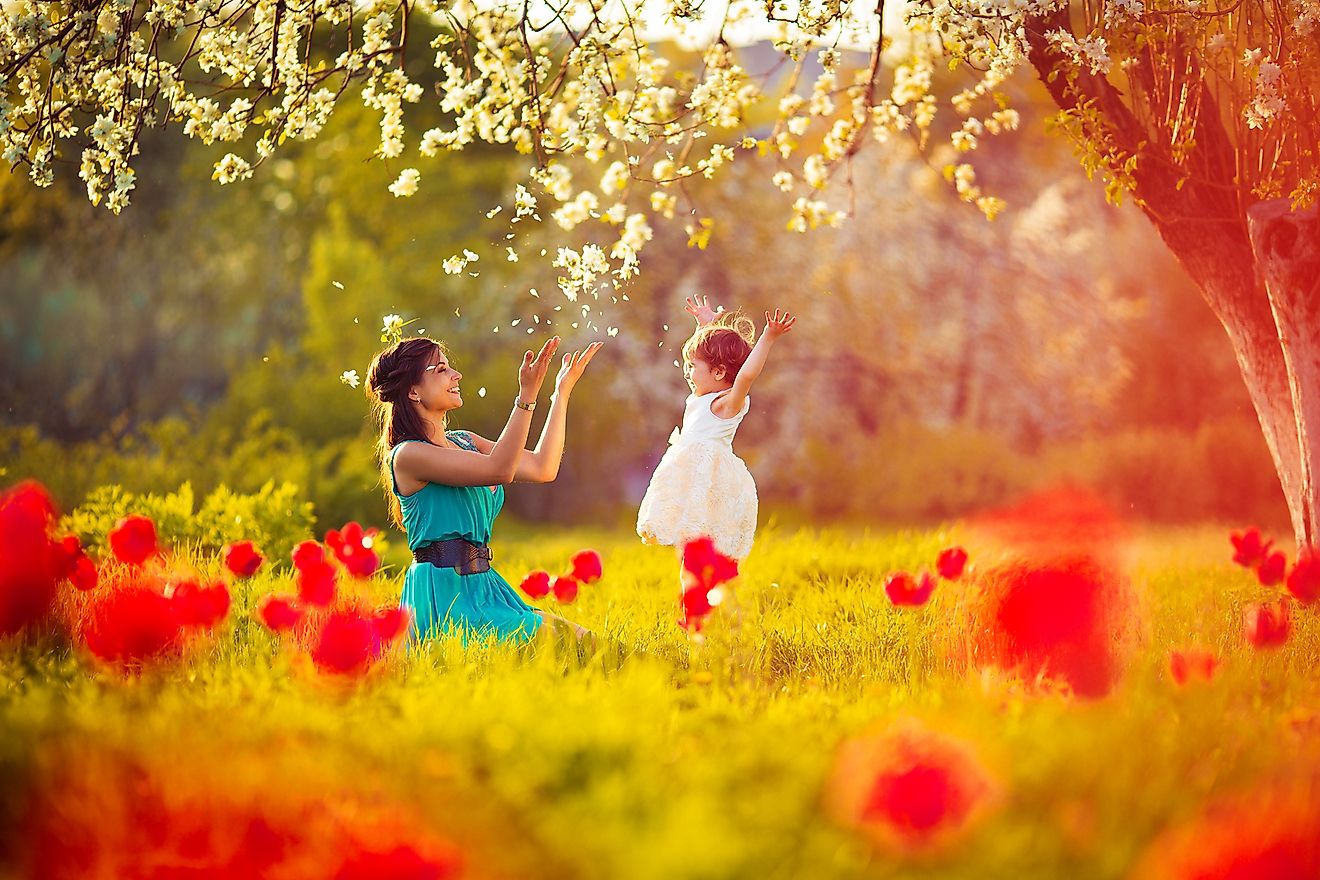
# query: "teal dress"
440,599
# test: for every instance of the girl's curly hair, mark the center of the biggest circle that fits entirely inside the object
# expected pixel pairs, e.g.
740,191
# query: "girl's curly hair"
724,342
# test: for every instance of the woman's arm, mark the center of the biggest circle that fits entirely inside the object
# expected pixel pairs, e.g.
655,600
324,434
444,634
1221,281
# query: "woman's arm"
541,465
731,404
498,463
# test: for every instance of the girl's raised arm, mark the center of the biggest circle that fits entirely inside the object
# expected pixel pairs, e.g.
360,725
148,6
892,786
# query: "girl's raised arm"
698,306
776,325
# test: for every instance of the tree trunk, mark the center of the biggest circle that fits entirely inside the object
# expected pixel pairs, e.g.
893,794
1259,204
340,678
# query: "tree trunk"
1287,251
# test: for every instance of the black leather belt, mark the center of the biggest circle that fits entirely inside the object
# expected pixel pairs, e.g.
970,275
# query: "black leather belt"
462,556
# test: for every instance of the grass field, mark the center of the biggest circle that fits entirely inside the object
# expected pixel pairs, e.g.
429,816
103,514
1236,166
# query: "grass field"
664,757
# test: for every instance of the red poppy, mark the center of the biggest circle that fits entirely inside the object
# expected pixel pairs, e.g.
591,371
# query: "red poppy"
308,553
1248,548
1267,626
903,589
707,565
1304,579
346,644
133,540
200,606
587,566
402,862
133,625
696,607
536,584
278,612
908,787
565,588
243,559
316,582
1191,664
31,565
352,546
389,623
1272,568
951,562
84,576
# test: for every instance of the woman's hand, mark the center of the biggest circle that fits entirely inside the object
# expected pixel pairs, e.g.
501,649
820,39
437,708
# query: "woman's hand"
699,307
575,363
534,367
778,324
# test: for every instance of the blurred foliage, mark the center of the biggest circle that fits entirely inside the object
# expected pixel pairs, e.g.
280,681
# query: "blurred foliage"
939,358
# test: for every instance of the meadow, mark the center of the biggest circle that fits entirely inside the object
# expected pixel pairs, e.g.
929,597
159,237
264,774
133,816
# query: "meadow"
740,753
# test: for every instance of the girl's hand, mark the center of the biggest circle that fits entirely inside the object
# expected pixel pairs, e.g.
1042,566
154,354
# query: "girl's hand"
779,323
699,307
534,367
575,363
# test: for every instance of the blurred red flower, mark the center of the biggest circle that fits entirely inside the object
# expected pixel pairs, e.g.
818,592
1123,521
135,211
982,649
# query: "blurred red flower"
307,553
403,862
243,559
907,787
1267,626
950,563
85,576
1066,620
1192,663
536,584
587,566
696,607
133,539
1271,833
1304,579
31,564
707,565
1272,569
316,582
352,546
345,644
565,588
389,623
902,589
279,612
200,606
132,625
1248,549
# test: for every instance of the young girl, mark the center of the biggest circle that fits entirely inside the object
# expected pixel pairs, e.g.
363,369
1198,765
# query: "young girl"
700,487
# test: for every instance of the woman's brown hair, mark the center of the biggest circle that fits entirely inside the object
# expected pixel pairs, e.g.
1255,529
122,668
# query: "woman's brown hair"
392,374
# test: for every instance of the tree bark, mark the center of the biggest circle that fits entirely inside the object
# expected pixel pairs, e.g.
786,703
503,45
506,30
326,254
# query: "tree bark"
1287,252
1196,208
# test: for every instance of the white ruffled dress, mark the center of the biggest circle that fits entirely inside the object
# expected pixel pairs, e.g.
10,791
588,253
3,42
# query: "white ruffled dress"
700,486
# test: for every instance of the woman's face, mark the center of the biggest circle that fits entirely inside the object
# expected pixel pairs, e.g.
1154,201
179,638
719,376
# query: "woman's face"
701,378
438,389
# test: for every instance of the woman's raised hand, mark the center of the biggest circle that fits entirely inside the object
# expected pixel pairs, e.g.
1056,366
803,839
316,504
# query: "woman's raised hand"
779,323
698,306
534,368
575,363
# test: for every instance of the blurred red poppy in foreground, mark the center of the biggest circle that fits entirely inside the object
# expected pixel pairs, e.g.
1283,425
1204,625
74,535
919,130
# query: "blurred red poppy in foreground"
316,575
706,569
1192,664
951,562
903,589
1248,549
347,640
1065,620
1304,579
30,562
352,545
101,815
565,588
1272,568
243,559
132,625
133,540
536,584
587,566
1270,834
279,612
1267,626
198,605
908,788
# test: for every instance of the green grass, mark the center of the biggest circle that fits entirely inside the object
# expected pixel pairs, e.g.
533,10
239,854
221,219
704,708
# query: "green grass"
664,758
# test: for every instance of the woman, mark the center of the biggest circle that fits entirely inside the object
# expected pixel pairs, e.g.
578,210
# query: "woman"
445,488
